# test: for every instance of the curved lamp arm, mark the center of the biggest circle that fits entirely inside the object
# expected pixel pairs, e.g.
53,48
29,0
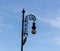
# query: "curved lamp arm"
25,32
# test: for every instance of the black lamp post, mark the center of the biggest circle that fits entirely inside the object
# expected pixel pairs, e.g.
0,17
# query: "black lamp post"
24,34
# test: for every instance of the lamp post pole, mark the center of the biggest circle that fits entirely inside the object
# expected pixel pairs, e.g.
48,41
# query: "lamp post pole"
22,29
24,34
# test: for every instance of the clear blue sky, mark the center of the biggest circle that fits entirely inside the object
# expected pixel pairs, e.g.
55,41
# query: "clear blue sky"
47,13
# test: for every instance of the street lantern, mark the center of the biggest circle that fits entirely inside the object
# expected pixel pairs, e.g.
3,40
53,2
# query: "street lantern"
24,34
33,29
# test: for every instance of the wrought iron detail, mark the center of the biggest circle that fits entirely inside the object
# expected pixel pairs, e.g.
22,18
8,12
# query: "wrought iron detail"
25,31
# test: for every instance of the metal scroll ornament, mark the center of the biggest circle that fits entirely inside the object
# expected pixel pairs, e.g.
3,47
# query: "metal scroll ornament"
25,31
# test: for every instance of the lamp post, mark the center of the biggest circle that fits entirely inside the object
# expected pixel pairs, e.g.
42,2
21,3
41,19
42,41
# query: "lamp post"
24,34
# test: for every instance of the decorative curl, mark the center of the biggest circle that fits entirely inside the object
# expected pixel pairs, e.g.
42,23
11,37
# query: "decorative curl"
25,34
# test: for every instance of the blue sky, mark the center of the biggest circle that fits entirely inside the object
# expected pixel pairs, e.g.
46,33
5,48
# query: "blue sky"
47,13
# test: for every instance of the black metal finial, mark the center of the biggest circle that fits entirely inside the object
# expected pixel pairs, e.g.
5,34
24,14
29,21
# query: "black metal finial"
23,11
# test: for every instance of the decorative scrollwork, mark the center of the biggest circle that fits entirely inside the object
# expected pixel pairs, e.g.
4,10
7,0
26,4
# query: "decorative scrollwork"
25,33
31,17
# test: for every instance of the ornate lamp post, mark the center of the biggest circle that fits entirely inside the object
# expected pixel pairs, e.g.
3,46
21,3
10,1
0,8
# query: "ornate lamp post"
24,34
